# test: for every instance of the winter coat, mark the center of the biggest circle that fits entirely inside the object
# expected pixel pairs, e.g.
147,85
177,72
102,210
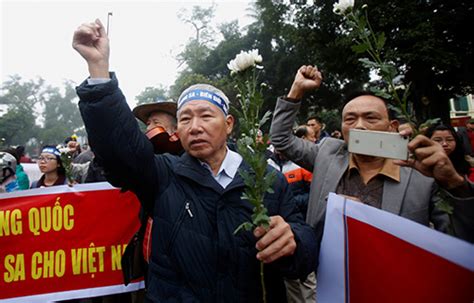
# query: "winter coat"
195,255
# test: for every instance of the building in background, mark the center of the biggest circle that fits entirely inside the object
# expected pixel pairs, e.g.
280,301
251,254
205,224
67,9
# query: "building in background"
461,110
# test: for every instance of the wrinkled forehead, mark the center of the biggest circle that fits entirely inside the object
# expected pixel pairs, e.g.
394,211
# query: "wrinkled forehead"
365,104
198,106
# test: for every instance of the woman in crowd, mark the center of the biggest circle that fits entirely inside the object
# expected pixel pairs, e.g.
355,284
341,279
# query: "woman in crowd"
50,165
451,143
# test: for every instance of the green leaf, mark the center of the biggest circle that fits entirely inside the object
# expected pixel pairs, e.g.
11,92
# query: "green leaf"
406,93
388,70
265,118
445,206
381,40
362,21
360,48
245,226
368,63
260,218
381,93
430,122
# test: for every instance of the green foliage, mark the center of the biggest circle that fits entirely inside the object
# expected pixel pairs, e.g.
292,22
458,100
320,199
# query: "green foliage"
332,119
198,48
194,55
185,80
152,94
425,42
32,102
66,160
200,18
371,43
61,115
444,204
257,181
17,125
420,38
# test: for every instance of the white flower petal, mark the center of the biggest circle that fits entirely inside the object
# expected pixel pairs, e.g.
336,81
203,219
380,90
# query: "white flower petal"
342,6
244,60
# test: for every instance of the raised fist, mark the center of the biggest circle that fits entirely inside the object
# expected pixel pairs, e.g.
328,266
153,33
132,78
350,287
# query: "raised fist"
91,42
307,78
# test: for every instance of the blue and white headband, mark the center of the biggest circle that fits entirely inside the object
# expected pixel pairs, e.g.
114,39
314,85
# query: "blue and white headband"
51,150
204,95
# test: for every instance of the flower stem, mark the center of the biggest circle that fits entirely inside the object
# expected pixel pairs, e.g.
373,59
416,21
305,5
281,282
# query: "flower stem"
262,281
374,52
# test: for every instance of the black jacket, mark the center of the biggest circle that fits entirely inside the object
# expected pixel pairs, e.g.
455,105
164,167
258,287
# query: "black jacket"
195,255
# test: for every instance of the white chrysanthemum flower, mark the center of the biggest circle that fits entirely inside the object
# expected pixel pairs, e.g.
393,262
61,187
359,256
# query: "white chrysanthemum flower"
256,57
244,60
342,6
62,149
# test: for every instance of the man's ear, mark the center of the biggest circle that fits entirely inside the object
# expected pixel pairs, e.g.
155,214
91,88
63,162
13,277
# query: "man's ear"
394,124
229,120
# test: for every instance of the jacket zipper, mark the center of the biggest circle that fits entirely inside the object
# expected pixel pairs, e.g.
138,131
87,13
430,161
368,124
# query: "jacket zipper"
188,209
177,226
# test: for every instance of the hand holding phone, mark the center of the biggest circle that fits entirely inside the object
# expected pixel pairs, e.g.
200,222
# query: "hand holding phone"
378,144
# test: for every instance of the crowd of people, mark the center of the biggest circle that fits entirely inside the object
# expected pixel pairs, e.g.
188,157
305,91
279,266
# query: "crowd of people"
50,165
185,175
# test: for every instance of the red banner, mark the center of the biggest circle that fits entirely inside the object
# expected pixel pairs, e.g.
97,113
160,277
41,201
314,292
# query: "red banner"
369,255
57,242
409,273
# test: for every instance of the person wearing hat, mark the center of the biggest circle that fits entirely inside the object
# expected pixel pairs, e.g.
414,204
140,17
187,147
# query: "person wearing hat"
8,181
160,120
161,113
197,197
21,177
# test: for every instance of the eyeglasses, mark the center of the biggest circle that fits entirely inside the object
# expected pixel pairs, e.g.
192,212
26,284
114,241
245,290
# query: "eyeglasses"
46,159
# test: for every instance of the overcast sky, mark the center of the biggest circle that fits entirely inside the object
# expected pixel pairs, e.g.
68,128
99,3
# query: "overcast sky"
145,38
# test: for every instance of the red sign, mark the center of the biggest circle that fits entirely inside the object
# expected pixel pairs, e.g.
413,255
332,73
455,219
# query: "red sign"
62,239
459,121
409,273
369,255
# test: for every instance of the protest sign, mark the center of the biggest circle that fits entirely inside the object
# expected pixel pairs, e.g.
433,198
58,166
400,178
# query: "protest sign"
369,255
65,242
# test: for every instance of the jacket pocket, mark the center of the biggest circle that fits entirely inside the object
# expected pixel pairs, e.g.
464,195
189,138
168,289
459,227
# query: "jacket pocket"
185,212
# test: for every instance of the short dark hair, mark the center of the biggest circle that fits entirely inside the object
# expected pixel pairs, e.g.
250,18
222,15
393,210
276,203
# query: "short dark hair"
301,131
20,149
314,117
354,94
68,139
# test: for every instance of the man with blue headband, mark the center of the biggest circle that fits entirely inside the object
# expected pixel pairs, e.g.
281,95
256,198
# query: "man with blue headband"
196,198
